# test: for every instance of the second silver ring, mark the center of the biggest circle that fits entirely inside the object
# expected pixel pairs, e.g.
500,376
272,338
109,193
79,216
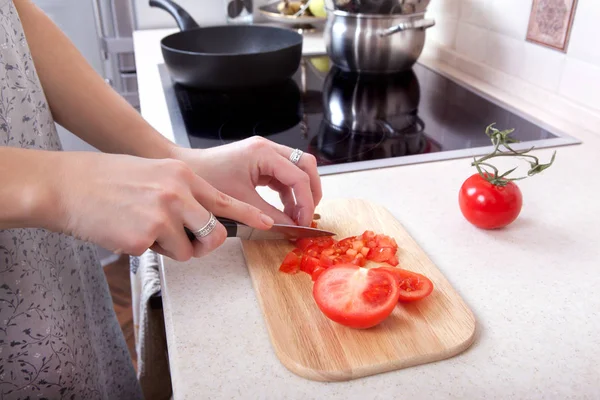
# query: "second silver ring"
206,229
295,156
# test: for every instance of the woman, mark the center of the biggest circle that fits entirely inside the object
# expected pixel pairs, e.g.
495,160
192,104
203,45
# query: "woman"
59,337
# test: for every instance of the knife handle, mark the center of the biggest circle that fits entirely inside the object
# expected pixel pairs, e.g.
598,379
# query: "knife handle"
230,225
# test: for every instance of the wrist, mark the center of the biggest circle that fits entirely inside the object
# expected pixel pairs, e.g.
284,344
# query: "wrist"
192,157
26,193
43,192
160,148
152,145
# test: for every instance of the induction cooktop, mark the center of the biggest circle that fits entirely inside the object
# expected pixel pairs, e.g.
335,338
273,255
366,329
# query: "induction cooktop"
354,122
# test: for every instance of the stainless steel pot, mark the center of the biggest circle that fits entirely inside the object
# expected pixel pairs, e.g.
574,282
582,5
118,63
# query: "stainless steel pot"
380,6
379,43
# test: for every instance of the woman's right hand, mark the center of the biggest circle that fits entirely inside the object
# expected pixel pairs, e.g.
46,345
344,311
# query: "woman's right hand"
128,204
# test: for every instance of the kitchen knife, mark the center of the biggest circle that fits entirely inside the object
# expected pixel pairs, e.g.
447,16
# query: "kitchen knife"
277,231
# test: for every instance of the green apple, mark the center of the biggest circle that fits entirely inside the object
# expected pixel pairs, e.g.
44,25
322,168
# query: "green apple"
317,8
321,63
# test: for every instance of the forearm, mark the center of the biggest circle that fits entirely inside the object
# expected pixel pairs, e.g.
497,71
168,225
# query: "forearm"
25,187
79,98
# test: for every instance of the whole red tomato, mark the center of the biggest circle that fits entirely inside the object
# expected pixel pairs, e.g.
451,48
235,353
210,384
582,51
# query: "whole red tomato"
489,206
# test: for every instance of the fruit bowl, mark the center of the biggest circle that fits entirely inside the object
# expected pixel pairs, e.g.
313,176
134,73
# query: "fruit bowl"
277,12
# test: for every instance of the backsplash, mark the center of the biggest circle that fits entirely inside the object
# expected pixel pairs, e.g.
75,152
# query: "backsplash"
491,33
205,12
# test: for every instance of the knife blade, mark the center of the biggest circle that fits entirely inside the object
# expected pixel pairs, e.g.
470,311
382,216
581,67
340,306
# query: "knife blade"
277,231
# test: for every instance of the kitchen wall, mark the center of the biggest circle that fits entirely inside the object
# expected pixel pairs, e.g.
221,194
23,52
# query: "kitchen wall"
487,38
205,12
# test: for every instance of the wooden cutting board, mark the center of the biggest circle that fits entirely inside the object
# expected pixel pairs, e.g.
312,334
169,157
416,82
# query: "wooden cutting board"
316,348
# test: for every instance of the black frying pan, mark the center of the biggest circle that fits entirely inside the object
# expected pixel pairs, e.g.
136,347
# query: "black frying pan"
230,56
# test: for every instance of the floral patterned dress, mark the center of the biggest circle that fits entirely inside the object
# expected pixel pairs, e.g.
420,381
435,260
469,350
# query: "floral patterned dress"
59,336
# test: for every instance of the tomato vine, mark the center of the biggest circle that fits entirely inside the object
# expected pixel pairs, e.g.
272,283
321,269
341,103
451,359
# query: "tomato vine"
501,139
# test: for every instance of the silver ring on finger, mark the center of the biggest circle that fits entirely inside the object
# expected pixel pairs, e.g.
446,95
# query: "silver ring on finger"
295,156
206,229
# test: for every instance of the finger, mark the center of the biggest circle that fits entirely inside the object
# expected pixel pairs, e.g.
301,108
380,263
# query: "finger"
173,241
286,195
224,205
308,164
253,198
285,172
210,242
196,217
157,248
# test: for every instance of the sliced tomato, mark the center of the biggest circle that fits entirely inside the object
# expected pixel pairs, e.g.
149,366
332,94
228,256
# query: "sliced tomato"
356,297
413,286
291,262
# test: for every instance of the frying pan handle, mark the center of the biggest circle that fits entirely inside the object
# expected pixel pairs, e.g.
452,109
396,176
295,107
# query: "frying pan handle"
183,19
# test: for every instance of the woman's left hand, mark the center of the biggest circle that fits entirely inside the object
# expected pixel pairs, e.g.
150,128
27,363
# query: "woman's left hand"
238,168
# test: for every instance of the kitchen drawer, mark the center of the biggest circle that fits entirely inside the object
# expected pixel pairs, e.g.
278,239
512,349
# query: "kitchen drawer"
126,62
129,82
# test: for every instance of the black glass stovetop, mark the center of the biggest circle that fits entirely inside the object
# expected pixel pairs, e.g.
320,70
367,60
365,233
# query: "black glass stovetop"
350,121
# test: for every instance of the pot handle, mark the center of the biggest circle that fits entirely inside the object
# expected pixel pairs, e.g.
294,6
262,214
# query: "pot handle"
419,24
392,131
183,19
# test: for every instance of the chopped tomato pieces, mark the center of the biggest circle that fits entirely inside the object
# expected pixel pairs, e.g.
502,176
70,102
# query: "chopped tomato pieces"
291,263
318,271
356,250
321,242
343,245
344,290
308,264
368,235
380,254
386,242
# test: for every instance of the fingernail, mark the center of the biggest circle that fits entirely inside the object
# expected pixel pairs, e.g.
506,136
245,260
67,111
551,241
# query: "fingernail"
266,219
299,217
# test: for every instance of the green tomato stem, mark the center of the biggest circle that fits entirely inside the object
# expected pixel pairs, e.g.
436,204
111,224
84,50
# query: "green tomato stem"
502,139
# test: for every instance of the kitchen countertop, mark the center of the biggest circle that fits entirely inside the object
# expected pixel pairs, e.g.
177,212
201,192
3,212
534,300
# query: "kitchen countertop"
530,286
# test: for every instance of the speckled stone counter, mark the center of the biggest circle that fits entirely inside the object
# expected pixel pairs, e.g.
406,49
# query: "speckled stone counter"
533,287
